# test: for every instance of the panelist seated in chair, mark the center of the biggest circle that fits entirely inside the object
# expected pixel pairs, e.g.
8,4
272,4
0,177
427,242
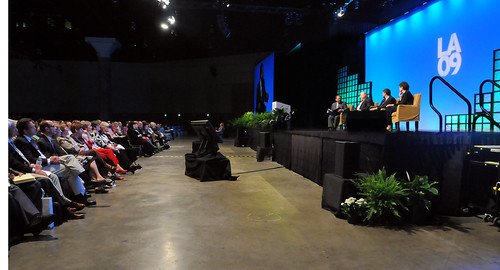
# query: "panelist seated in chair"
365,103
388,99
405,98
335,111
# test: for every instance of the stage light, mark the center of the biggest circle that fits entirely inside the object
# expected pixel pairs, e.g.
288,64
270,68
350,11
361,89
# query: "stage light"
208,115
341,12
164,26
164,3
171,20
179,115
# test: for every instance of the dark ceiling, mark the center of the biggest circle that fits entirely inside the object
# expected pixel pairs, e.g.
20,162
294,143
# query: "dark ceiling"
56,29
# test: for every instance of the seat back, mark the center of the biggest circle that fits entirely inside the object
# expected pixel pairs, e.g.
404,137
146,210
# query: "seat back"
416,100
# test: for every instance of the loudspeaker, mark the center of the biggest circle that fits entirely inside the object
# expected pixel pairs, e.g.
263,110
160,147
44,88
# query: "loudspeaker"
335,191
263,152
346,158
265,139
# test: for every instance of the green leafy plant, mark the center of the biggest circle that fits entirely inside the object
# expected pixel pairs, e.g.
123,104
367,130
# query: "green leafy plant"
267,120
242,121
385,196
420,190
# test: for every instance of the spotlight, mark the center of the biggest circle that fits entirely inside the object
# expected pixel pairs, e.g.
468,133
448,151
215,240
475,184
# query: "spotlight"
341,12
164,26
171,20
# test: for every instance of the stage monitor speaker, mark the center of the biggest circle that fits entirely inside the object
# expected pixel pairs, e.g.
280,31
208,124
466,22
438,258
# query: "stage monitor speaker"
346,158
264,139
335,191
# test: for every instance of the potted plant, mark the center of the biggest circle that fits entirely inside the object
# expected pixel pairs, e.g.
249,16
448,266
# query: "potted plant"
385,197
241,124
354,209
420,193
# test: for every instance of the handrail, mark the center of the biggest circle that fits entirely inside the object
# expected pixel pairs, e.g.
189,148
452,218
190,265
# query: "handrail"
458,94
488,115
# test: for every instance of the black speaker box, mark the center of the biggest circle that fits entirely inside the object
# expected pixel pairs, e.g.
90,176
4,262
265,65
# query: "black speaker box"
346,158
264,139
335,191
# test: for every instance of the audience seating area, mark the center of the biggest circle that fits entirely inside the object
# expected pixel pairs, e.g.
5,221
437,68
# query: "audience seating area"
68,161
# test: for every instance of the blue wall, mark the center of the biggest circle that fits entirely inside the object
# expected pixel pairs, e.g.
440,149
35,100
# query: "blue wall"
407,49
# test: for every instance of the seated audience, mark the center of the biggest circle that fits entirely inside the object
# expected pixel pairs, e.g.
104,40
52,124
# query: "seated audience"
69,169
136,138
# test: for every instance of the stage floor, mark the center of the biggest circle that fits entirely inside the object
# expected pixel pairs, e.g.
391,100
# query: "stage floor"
270,218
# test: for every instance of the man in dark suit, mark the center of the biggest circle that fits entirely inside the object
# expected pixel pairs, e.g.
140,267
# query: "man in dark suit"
334,112
68,167
262,95
388,99
365,103
136,138
406,98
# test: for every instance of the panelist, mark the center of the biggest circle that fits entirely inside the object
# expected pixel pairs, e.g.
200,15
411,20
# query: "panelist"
388,99
405,98
365,103
334,112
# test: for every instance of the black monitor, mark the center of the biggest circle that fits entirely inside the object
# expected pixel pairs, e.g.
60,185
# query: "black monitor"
208,137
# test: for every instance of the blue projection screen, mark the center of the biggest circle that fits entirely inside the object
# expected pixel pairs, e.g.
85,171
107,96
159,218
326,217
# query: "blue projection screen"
454,39
264,87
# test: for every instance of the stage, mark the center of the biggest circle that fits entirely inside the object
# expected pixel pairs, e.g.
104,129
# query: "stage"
442,156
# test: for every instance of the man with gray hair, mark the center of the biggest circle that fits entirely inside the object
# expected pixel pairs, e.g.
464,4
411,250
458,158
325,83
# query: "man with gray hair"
365,103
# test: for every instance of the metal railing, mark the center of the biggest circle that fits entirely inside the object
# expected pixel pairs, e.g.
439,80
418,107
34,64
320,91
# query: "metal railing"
458,94
484,112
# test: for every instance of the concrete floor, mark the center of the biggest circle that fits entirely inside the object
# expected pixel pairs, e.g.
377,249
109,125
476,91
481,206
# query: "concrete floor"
270,218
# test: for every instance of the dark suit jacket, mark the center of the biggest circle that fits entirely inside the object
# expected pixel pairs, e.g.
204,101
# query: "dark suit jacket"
45,146
28,150
134,136
262,96
341,105
406,99
390,100
18,163
366,104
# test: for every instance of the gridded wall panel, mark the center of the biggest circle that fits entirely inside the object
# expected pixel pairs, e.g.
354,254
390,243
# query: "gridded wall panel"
491,104
349,88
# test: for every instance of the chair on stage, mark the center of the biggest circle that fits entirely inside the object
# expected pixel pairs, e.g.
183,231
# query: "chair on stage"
343,116
408,113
